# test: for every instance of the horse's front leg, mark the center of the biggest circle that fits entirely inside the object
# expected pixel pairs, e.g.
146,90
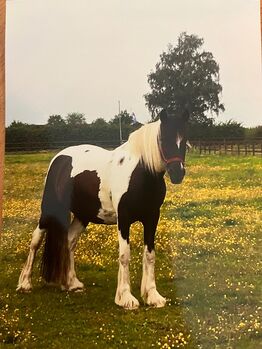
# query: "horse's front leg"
148,285
123,297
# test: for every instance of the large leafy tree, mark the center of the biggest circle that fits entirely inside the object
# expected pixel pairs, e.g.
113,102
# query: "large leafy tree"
185,79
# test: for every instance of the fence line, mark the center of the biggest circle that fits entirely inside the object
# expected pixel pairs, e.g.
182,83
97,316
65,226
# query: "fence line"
228,146
225,146
56,145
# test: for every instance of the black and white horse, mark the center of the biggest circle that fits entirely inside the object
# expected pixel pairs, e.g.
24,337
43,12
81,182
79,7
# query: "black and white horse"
108,187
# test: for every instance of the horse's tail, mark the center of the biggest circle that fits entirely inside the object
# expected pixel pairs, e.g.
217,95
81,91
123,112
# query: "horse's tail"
55,219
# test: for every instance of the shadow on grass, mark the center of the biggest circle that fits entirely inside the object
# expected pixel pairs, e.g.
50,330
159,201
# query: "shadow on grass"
50,318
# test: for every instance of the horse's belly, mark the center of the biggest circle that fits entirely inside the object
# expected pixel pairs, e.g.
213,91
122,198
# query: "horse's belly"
106,211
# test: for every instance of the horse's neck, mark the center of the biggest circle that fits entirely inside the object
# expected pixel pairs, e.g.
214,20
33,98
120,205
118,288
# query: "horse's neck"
143,145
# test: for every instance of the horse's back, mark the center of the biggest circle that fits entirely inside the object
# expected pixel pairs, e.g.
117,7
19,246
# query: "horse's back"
84,157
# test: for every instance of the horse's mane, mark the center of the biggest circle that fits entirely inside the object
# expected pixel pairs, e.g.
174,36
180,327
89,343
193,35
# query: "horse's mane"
143,143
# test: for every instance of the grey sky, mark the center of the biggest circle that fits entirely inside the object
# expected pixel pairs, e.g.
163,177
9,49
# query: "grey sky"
65,56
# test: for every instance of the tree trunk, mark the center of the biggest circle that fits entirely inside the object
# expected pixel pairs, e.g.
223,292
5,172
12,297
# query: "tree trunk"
2,101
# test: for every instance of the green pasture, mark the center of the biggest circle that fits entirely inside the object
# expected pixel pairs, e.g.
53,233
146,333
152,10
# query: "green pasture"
208,250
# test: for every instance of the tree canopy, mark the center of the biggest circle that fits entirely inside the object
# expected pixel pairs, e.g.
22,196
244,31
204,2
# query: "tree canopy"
75,119
55,120
126,118
185,79
99,122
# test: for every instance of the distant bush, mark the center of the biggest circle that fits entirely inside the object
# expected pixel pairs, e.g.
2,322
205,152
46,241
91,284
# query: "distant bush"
229,129
75,129
254,132
72,129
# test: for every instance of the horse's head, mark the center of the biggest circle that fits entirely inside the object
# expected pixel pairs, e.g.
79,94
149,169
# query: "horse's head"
172,144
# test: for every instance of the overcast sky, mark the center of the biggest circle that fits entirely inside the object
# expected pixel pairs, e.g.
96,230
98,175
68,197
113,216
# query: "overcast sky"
65,56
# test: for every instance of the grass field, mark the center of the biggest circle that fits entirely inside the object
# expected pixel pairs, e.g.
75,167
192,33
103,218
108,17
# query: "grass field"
208,266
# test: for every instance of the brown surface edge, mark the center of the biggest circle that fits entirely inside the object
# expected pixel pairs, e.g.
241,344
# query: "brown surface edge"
2,101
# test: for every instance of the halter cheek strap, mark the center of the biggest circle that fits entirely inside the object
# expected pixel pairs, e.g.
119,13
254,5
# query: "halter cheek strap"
170,160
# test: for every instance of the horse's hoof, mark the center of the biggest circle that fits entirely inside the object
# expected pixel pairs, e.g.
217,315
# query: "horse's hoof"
76,286
24,289
154,299
78,290
127,301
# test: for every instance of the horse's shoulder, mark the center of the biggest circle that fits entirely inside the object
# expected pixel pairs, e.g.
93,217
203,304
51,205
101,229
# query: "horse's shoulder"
122,157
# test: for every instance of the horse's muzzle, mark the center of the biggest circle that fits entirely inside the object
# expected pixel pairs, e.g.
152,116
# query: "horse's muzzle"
176,172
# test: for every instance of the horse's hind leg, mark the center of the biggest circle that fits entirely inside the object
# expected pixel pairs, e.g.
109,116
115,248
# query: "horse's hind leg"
148,285
24,282
74,232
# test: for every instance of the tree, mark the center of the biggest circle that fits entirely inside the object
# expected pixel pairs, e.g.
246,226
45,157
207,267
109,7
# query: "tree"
128,124
75,119
126,118
55,121
185,79
99,122
253,132
17,124
229,129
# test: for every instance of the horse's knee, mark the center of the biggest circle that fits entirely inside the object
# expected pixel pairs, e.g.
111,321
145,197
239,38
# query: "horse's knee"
37,238
124,258
149,257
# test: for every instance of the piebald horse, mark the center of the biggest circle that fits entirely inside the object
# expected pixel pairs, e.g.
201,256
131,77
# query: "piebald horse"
108,187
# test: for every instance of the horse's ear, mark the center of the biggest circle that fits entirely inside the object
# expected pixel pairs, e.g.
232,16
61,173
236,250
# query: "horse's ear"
163,115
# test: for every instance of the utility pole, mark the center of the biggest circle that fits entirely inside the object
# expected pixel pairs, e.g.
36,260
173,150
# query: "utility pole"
2,103
120,124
